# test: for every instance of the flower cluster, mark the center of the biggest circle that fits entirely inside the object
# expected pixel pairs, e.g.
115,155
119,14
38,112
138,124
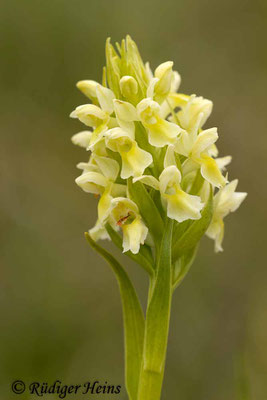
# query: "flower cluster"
141,129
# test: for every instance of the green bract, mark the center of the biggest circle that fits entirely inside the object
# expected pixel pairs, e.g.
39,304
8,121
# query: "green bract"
161,187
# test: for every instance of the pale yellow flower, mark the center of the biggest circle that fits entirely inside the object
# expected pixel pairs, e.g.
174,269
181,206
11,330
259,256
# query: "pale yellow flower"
98,174
196,147
98,118
225,201
126,213
160,131
134,159
180,205
189,114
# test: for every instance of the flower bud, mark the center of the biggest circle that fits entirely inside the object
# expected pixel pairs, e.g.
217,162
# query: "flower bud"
165,75
128,86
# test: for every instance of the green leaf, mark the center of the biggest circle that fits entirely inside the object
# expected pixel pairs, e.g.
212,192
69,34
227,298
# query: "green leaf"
143,258
182,266
179,229
133,321
156,197
195,231
158,312
147,208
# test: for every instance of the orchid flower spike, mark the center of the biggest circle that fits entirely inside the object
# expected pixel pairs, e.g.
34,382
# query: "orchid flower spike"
150,152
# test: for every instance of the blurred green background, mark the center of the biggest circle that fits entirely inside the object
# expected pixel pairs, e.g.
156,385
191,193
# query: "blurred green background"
59,302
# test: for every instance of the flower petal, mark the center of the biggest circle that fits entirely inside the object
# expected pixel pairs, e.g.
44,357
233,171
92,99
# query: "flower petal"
88,87
148,180
126,213
82,139
162,133
169,158
104,206
178,100
227,200
125,111
184,143
90,115
211,172
134,234
164,73
105,97
151,87
170,176
222,162
189,166
204,141
117,137
147,111
213,151
216,232
176,81
189,114
92,182
98,232
134,161
182,206
109,167
122,205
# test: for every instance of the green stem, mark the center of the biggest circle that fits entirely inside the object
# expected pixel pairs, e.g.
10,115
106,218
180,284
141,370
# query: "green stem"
150,382
150,385
157,323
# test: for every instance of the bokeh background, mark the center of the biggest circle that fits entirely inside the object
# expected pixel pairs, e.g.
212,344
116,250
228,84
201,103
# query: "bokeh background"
59,302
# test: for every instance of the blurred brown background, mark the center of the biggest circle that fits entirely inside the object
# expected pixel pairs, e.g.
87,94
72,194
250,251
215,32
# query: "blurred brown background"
59,302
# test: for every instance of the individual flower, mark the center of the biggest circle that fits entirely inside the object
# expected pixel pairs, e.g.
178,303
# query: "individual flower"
98,177
134,159
180,205
98,118
99,173
196,146
225,201
160,131
188,116
126,214
163,81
